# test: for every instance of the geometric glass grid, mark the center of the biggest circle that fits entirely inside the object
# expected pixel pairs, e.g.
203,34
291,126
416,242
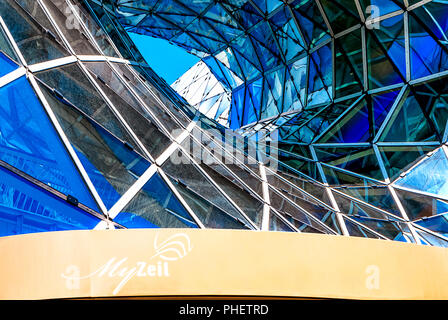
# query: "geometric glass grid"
352,142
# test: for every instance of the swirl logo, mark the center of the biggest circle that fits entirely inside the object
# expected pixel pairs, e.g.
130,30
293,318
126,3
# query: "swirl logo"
174,248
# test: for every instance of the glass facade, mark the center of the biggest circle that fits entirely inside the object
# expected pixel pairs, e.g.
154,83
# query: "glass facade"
353,91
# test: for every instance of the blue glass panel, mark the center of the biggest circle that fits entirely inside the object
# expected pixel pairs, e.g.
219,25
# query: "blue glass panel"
236,110
6,64
430,176
320,76
427,56
436,224
310,21
29,142
26,208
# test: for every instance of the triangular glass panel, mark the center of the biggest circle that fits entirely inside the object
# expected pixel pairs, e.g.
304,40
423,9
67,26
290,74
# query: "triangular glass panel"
389,229
273,94
252,207
398,159
277,224
376,195
294,215
341,14
287,34
432,97
357,230
6,64
72,85
320,76
312,187
73,29
363,121
348,64
266,46
409,123
337,177
437,224
432,239
7,54
417,205
132,112
385,52
427,55
310,21
354,208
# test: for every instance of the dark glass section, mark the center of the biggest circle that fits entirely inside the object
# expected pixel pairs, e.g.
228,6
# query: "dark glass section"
185,173
72,84
32,31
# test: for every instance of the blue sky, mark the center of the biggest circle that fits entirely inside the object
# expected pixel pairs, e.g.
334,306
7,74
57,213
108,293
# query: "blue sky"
167,60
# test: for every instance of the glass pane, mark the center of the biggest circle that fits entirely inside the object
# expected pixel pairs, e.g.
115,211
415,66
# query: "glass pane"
70,26
356,230
155,206
389,229
299,219
399,159
70,82
26,208
7,54
429,176
277,224
6,64
111,164
29,142
416,205
132,112
36,39
436,224
94,28
179,168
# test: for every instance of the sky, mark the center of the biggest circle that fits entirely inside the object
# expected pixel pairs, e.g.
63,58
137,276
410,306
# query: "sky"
167,60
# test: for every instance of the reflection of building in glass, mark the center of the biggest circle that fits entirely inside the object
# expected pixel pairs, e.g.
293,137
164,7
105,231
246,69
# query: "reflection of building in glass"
88,129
